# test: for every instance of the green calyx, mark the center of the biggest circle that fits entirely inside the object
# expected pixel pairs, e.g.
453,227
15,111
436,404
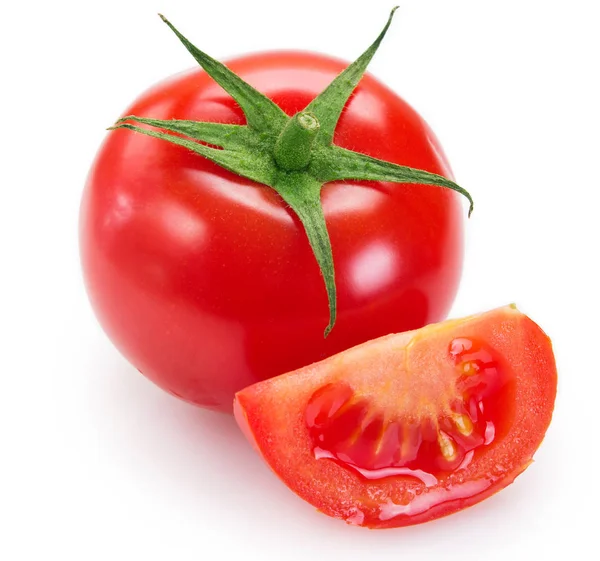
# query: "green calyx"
293,155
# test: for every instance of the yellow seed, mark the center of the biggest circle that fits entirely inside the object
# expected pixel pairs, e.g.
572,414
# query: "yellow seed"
463,424
470,368
447,447
385,426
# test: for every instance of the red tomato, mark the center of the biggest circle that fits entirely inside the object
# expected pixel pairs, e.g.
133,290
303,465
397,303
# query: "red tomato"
409,427
206,282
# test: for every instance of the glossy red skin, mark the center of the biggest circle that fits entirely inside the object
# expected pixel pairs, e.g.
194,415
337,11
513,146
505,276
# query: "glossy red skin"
205,281
272,416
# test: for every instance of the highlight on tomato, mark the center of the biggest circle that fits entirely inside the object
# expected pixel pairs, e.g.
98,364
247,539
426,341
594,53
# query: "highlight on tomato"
235,213
409,427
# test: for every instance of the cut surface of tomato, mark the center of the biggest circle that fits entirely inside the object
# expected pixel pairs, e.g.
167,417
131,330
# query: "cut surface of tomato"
409,427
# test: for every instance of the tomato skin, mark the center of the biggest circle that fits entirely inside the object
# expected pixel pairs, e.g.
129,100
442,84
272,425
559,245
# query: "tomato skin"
271,416
205,281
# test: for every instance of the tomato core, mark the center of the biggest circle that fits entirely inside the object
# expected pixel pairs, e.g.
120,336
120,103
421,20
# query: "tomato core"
439,438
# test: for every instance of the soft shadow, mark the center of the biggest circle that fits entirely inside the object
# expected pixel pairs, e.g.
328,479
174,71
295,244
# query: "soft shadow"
184,450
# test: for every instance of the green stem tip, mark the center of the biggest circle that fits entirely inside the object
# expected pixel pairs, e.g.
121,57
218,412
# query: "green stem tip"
293,148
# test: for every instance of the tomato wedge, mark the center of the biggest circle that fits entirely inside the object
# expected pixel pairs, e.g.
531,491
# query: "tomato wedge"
412,426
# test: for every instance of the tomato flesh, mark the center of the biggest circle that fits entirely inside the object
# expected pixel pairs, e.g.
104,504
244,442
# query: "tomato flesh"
440,437
409,427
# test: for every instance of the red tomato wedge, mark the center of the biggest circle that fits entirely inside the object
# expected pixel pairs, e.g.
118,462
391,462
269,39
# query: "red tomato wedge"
412,426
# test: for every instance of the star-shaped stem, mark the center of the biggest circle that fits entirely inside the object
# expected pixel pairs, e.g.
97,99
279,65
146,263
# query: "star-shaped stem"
293,155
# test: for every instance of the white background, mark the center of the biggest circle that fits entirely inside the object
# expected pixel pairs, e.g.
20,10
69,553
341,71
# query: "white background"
98,464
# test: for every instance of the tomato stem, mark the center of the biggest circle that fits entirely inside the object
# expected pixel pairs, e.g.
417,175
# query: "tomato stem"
293,149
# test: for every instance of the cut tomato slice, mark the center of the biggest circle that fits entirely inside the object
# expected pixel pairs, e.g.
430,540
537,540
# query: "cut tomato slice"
409,427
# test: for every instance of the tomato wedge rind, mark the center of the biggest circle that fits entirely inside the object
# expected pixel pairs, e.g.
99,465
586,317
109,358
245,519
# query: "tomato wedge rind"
408,427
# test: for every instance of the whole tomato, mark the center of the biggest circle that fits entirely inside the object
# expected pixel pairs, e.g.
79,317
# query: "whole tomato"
205,280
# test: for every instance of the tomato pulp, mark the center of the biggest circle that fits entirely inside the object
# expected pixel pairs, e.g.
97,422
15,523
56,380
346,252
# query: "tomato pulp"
409,427
206,282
